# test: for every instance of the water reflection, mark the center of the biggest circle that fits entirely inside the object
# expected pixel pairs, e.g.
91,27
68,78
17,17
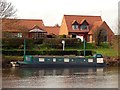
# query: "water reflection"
60,77
28,72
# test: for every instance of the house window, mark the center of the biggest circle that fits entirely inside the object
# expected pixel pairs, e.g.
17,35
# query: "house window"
102,35
83,27
105,39
74,35
75,27
19,35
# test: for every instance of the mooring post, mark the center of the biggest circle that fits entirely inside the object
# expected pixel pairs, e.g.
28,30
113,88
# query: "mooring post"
63,42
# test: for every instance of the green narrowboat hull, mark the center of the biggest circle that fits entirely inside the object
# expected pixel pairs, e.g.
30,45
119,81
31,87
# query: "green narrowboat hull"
61,61
44,65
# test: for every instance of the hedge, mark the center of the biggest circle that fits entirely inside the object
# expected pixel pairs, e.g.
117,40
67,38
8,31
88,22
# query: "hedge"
48,52
9,43
12,43
57,42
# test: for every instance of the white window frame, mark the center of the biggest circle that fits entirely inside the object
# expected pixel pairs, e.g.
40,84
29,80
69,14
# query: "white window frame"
66,60
90,60
54,59
81,27
41,59
75,27
19,35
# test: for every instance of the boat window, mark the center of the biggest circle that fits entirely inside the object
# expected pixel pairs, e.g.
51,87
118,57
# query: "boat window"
90,60
41,59
99,55
28,58
66,59
100,60
54,59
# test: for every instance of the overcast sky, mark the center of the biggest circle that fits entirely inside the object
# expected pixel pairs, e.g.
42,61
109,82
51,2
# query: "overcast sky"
52,11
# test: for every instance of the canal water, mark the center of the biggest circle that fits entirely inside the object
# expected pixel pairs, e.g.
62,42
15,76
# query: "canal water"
60,77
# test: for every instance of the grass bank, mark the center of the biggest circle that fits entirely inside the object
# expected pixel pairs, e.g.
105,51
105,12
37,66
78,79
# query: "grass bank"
107,52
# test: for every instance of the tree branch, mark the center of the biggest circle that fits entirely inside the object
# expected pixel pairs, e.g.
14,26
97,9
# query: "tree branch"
6,9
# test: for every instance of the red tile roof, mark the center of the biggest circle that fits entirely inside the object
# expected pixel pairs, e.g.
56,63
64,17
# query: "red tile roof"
79,18
74,21
37,29
82,21
13,31
52,30
95,26
20,24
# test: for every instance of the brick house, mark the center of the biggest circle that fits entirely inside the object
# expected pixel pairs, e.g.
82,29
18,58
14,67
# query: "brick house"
29,28
85,27
72,25
52,30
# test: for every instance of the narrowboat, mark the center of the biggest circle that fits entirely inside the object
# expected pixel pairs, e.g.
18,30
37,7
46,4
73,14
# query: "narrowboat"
62,61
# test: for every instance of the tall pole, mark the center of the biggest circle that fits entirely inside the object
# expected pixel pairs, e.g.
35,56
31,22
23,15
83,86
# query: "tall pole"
24,47
84,47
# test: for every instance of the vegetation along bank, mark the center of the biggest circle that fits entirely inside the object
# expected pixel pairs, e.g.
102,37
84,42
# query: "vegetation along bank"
12,49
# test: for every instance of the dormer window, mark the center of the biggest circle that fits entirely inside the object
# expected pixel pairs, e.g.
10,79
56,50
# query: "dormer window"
75,25
83,27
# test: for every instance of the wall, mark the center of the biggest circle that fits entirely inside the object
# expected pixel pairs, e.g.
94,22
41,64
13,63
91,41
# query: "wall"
63,28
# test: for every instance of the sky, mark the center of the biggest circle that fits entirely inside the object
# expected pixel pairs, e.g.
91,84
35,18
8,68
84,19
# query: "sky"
52,11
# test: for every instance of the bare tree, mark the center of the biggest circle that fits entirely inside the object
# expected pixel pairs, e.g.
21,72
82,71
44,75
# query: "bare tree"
6,9
56,25
100,36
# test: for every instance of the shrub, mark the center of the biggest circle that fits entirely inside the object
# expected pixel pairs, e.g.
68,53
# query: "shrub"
57,42
18,43
53,43
73,35
12,42
87,53
51,36
38,41
63,36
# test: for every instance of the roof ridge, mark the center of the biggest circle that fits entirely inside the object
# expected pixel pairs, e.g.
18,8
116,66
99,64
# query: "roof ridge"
24,19
51,26
85,15
33,19
99,21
